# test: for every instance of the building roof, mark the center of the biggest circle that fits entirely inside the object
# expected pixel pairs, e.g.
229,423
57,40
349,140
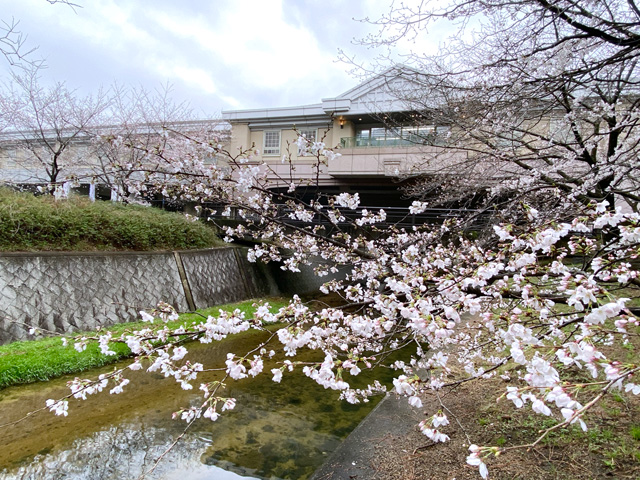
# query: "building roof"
377,94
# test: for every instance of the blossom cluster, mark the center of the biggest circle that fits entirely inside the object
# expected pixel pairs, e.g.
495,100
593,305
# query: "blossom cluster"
537,303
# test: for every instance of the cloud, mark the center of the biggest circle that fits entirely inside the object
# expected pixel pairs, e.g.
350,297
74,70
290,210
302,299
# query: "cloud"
253,39
218,55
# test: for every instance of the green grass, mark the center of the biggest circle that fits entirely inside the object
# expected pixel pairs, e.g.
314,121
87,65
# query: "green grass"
30,223
47,358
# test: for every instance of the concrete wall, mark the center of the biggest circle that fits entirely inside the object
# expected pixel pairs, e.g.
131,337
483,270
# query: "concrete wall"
66,292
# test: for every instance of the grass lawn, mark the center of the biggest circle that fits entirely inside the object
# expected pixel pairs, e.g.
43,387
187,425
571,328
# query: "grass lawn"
47,358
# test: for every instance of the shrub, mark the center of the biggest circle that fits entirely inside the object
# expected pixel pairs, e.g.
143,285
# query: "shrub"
29,223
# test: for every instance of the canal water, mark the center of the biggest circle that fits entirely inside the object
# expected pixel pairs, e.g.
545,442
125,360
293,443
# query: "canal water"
276,431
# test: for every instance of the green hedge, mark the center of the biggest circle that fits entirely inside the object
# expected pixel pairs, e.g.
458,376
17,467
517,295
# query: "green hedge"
30,223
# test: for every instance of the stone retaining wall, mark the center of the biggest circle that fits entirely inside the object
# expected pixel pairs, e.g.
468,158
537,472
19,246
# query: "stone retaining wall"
66,292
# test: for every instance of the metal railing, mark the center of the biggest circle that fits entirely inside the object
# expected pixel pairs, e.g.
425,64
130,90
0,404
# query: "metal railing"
410,141
396,216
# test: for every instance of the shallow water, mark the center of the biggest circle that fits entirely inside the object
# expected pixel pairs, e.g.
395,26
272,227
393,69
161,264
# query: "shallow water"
275,432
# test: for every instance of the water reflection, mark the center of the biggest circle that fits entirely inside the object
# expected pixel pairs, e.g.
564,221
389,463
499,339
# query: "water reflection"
276,431
122,452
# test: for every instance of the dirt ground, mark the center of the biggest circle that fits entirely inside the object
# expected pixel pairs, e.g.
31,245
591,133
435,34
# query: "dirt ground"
391,447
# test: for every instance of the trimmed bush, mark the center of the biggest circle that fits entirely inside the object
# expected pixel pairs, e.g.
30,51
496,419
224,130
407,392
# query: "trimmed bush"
30,223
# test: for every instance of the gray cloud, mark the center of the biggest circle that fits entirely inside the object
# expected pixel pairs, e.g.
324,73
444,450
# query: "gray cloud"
217,55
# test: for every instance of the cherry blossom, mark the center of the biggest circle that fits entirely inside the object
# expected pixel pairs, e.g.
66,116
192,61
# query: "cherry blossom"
532,303
475,460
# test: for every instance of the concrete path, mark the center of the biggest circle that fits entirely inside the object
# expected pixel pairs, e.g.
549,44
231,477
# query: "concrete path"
355,459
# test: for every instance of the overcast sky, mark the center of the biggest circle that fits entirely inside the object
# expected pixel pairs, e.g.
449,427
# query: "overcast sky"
217,54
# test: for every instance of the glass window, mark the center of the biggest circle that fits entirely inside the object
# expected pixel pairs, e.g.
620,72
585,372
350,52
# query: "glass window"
405,135
362,137
426,133
377,136
271,142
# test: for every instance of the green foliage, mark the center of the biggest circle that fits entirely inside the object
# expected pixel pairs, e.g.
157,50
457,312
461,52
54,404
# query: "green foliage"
484,421
617,397
47,358
29,223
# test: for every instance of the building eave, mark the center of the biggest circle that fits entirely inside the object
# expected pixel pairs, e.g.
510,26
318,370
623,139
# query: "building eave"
247,116
350,103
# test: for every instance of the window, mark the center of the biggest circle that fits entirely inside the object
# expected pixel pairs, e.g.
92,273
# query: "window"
362,137
310,135
405,135
509,139
377,136
425,134
210,160
272,142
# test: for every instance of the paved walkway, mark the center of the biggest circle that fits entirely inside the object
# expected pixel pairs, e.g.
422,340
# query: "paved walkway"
355,459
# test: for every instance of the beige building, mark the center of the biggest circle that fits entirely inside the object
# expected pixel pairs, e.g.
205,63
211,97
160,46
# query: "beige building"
31,158
355,124
386,139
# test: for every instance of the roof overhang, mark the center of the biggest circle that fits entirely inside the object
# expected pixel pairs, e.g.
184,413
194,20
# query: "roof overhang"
369,97
336,105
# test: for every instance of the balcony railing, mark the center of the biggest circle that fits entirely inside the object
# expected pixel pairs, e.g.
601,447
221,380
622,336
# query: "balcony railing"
397,216
411,141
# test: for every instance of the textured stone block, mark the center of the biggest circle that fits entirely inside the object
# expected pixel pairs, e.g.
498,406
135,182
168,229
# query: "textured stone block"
70,292
214,277
67,292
